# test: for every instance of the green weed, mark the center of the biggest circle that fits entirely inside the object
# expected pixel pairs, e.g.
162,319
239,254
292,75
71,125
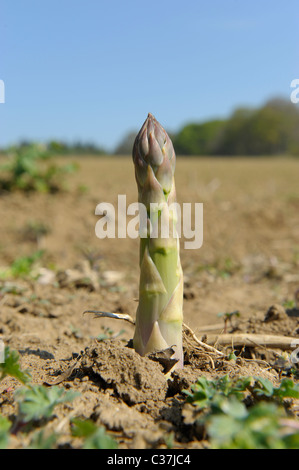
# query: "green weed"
30,168
228,317
36,405
95,437
11,367
38,402
22,267
246,413
108,333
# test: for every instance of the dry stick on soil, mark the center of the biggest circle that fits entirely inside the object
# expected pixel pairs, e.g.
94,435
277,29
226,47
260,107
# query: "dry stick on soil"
250,339
66,374
116,316
205,346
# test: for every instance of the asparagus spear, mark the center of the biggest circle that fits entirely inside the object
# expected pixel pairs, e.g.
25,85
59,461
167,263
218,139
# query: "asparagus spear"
159,315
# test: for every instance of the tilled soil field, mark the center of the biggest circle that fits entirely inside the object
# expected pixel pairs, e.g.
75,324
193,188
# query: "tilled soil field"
248,264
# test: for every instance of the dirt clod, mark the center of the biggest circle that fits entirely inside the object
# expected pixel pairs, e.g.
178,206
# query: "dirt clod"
275,312
128,374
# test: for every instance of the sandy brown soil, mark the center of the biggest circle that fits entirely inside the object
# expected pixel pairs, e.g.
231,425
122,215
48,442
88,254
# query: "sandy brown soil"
249,261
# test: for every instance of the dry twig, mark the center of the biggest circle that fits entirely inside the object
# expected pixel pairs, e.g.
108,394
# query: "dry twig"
250,339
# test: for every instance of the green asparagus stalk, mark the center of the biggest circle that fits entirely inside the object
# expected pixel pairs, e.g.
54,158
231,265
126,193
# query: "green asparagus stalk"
159,314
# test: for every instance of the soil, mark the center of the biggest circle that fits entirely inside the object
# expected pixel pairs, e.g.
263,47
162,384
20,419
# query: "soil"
249,263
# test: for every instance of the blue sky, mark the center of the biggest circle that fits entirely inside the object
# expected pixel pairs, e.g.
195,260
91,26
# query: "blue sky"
91,70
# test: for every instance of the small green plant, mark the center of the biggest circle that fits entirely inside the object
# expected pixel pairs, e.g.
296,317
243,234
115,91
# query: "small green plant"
108,333
34,230
226,268
37,402
30,169
264,388
10,288
11,367
43,440
5,426
230,424
261,427
289,304
94,437
222,268
228,317
34,402
205,393
23,266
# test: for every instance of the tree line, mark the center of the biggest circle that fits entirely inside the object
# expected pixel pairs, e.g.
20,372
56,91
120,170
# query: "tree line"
272,129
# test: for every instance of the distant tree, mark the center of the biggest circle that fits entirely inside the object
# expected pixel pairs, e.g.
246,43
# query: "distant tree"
56,146
198,139
125,146
78,148
233,138
287,115
269,130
